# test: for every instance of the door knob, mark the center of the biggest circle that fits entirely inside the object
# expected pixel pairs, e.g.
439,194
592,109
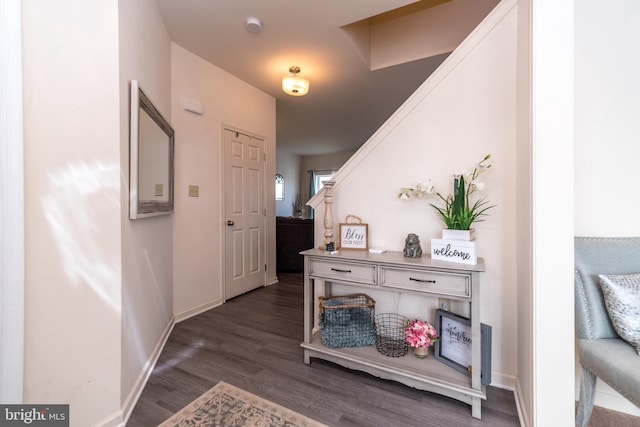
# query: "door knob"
230,223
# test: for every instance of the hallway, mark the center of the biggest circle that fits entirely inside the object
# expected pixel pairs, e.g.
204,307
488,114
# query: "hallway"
253,342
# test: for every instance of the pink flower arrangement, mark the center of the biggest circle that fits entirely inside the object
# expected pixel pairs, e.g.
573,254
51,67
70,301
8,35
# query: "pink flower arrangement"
421,334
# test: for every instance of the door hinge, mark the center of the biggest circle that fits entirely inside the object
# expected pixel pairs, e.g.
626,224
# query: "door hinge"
265,267
264,157
264,212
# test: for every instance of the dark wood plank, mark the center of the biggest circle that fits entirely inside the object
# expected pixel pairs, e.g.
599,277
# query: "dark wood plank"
253,342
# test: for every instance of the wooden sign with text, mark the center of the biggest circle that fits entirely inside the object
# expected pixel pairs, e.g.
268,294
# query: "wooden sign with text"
454,251
354,235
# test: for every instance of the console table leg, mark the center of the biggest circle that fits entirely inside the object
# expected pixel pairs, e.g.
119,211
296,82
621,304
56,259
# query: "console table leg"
307,359
476,407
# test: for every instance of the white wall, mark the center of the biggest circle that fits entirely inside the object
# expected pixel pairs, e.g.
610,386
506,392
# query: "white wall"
147,244
199,226
607,65
73,205
465,110
99,286
288,165
11,205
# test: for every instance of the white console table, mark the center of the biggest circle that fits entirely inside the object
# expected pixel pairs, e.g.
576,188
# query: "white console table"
391,271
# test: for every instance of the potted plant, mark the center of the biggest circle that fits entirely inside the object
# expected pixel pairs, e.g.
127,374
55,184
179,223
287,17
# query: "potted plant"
421,335
458,213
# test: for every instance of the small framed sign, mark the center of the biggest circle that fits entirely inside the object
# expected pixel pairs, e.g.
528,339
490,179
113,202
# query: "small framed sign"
354,235
454,346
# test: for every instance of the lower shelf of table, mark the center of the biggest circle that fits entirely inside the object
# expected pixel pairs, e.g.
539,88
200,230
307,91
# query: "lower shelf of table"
423,374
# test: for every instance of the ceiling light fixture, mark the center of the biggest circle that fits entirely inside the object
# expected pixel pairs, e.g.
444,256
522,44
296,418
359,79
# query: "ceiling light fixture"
293,84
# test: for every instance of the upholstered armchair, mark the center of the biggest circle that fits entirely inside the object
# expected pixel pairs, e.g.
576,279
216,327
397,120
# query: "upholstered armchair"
603,353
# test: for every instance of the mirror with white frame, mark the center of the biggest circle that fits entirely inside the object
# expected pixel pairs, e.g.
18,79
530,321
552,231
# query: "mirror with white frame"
151,158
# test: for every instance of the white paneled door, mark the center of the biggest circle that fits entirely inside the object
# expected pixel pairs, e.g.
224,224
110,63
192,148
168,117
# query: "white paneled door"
245,212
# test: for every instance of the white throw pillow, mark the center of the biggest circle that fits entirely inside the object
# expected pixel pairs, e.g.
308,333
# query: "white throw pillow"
622,298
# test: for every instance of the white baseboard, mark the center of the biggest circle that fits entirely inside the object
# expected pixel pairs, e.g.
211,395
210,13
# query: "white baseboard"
504,381
510,382
520,406
194,311
136,391
115,420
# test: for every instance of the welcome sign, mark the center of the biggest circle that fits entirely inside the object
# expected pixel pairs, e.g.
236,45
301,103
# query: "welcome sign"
459,251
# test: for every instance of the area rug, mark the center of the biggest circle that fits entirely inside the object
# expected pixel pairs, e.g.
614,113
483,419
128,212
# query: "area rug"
227,406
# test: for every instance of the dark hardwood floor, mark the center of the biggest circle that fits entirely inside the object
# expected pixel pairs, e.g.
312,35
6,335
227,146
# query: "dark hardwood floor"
253,342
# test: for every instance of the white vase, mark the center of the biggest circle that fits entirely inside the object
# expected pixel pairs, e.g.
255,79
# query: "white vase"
467,235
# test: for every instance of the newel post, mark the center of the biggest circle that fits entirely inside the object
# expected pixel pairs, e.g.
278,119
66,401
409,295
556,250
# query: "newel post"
328,213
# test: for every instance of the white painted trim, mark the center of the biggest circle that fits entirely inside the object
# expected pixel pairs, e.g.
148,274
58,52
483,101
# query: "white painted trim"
520,405
552,82
504,381
194,311
511,383
114,420
500,12
121,418
11,205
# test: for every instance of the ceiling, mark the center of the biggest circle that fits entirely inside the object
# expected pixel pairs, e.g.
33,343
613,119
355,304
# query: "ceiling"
347,101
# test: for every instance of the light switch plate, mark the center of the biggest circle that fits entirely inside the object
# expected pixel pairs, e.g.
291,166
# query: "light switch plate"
194,191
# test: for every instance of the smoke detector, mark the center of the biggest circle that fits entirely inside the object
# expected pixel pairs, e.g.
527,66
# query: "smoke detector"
253,25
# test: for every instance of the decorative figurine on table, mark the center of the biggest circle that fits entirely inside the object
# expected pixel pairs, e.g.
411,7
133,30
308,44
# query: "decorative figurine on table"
412,247
330,247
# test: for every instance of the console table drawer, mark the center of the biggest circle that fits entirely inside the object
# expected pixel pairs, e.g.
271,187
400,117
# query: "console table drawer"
449,284
351,272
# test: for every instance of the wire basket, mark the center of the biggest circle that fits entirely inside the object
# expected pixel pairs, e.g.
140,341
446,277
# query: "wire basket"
390,335
347,321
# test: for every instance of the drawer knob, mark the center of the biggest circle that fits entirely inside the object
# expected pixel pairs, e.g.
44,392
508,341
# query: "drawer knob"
422,280
340,270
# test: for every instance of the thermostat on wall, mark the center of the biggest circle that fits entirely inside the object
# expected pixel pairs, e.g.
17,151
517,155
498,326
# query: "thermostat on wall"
192,105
